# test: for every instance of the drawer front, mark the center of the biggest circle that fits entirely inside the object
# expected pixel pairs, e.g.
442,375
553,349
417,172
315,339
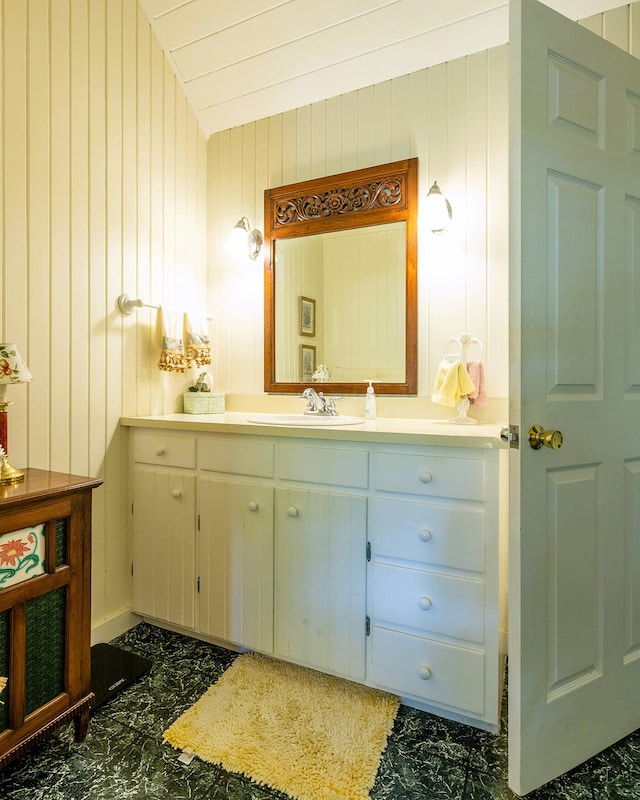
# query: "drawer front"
429,601
433,476
236,456
166,449
428,670
445,535
347,468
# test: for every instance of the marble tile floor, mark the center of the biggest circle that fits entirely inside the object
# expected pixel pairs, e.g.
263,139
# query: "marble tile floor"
123,758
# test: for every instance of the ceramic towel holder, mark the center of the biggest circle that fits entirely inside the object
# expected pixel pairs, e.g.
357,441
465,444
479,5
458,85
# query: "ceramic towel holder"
457,348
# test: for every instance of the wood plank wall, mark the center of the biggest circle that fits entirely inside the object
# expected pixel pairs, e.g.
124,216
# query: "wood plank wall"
102,191
454,117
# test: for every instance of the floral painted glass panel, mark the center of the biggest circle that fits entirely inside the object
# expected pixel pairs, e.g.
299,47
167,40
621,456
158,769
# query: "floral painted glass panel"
21,555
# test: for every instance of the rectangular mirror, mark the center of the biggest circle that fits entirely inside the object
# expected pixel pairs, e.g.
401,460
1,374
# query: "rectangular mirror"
340,282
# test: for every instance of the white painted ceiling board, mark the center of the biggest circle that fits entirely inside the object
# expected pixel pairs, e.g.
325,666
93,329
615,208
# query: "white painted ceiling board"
243,61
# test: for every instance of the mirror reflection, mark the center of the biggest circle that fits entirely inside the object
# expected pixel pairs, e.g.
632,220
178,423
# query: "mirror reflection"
340,306
340,275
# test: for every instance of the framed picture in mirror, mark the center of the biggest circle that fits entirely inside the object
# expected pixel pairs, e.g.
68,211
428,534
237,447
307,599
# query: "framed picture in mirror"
307,362
307,316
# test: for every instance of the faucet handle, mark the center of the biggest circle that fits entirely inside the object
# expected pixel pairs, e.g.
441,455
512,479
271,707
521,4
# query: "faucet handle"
331,405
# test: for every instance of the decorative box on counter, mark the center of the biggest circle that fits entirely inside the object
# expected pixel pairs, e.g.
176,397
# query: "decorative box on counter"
203,402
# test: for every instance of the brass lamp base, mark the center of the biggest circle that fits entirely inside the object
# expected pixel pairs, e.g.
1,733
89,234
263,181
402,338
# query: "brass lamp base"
9,474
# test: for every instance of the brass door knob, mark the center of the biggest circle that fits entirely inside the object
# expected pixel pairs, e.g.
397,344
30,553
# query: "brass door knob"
538,437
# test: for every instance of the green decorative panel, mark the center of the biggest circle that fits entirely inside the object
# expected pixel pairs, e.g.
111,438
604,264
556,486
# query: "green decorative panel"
61,542
4,666
45,649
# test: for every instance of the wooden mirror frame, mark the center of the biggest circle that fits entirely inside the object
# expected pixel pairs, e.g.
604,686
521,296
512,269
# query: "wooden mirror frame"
373,196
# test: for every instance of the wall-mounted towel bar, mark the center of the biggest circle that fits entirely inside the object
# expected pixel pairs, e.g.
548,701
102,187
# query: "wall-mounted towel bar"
127,305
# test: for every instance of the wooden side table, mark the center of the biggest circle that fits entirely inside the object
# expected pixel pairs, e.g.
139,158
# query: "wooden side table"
45,607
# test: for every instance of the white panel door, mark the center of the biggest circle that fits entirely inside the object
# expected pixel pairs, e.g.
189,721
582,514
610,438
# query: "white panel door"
164,503
574,652
235,558
320,580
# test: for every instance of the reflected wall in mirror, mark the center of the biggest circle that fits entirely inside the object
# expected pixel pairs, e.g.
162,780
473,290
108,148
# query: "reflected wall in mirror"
343,248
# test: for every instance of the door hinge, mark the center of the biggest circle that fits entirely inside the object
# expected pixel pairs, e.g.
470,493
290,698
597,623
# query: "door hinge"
367,625
511,434
368,551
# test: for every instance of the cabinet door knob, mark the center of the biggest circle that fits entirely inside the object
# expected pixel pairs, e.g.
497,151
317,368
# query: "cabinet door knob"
424,603
424,535
160,451
177,493
426,477
292,511
424,672
253,506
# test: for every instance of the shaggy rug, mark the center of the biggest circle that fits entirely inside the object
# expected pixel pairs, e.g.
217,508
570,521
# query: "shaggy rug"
310,735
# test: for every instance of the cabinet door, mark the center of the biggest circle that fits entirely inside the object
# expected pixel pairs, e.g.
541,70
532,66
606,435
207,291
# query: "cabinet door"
320,569
236,562
164,544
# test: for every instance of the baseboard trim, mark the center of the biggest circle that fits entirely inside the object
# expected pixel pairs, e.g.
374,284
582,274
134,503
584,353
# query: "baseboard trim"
108,629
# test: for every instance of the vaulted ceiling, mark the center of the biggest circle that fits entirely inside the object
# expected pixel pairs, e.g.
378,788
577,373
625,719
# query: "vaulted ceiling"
245,60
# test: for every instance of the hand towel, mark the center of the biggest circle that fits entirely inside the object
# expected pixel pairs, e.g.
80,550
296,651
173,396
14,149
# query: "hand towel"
478,396
172,358
197,338
452,382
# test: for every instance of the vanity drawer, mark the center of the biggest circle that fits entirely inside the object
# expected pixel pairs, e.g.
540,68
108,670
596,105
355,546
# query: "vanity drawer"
431,671
445,535
236,456
429,602
166,449
348,468
431,475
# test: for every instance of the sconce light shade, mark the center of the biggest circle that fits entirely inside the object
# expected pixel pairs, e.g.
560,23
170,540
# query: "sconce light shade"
438,210
12,370
244,241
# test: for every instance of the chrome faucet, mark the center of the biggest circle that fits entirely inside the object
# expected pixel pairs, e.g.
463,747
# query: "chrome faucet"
317,403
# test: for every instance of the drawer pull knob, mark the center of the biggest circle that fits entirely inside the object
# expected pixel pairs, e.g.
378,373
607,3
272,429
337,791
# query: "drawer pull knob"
426,477
424,672
253,506
177,493
292,511
424,535
424,603
160,451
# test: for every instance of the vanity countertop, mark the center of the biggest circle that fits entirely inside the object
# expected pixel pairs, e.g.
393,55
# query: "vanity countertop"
391,431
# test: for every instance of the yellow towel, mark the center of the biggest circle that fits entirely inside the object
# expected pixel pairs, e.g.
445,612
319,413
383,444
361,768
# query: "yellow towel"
452,382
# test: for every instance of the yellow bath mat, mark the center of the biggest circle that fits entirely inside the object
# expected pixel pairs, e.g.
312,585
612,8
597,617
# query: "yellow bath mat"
310,735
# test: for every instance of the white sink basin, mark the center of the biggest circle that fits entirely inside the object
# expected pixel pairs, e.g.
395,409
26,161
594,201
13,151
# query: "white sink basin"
303,419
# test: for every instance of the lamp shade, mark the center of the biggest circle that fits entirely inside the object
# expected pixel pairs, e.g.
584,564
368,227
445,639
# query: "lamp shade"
12,366
438,210
243,241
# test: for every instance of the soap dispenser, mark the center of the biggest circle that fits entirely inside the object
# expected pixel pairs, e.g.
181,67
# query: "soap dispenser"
370,401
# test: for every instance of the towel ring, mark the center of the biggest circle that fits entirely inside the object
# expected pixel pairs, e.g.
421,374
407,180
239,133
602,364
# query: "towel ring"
464,341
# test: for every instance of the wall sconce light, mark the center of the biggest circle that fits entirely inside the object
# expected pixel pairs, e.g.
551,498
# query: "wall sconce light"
12,370
438,210
244,241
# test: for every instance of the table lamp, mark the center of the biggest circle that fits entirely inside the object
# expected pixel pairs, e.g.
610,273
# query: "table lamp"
12,370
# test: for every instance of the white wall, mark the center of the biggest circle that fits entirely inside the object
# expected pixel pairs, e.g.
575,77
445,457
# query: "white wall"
102,190
454,117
